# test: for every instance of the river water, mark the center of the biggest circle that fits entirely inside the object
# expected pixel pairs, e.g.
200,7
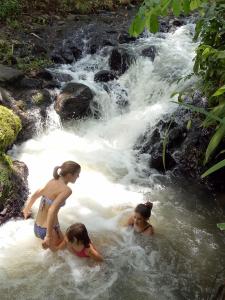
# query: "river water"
185,258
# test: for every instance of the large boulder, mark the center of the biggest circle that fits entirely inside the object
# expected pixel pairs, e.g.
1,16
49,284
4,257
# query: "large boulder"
13,188
10,126
28,121
74,101
9,75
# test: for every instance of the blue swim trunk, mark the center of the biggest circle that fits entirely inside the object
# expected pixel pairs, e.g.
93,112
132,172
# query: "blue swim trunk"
39,231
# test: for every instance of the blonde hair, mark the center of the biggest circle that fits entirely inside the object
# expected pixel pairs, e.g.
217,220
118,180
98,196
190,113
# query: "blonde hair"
68,167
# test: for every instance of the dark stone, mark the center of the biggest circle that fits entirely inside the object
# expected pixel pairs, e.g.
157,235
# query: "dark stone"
44,74
104,76
18,194
51,84
149,52
77,53
177,22
67,54
156,161
74,101
62,77
39,49
9,75
30,83
120,60
57,58
124,37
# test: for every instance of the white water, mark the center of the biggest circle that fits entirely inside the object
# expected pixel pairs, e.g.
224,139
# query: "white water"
181,260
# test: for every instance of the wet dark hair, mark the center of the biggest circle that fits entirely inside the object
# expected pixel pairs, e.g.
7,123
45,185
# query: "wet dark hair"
79,232
144,209
68,167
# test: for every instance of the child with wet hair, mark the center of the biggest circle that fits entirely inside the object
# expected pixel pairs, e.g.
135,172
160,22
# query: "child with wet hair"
140,219
77,241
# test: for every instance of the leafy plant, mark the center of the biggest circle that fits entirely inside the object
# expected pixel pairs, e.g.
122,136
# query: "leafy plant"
9,8
150,11
221,226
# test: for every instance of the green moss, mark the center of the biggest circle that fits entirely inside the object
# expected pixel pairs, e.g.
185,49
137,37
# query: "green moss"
10,126
38,98
5,177
29,64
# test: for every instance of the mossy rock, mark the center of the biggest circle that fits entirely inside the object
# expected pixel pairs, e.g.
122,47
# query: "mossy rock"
10,126
5,178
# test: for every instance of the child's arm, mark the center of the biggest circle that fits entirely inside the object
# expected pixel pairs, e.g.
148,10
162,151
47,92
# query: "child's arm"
93,253
27,208
62,245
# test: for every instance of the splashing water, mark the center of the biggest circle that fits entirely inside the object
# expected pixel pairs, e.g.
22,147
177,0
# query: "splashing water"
182,260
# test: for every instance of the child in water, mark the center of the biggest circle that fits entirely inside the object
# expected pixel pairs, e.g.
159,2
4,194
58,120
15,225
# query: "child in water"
140,219
77,241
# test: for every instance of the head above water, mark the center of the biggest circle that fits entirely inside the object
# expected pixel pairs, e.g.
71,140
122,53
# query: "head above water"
67,169
144,210
78,233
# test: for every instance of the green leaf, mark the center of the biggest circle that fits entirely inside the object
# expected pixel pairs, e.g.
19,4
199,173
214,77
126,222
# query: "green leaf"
164,8
219,92
186,6
194,4
198,28
153,23
202,111
189,124
221,226
214,142
176,7
214,168
137,26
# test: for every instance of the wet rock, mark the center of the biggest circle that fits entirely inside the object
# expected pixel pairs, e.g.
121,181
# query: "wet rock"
62,77
9,75
149,52
74,101
120,60
39,48
185,147
30,83
67,55
104,76
177,22
156,161
15,188
57,58
124,37
28,122
45,75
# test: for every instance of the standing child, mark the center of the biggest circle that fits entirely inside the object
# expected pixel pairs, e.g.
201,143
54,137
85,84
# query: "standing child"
77,241
53,196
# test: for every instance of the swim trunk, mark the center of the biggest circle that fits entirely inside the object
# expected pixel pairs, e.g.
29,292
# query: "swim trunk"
39,231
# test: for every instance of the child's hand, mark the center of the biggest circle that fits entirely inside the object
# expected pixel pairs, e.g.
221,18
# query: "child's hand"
26,213
46,243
